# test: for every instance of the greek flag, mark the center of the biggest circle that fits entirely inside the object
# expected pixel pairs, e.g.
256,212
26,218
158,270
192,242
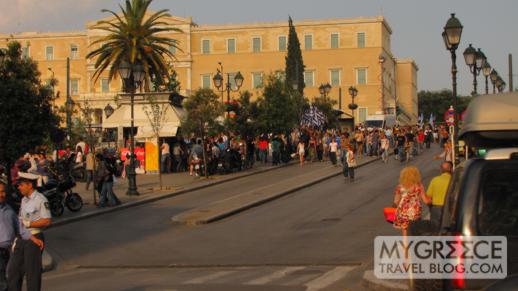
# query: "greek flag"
313,117
431,120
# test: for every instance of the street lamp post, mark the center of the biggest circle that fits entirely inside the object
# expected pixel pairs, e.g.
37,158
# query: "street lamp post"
353,106
324,90
500,84
451,36
475,61
132,75
218,83
486,70
493,76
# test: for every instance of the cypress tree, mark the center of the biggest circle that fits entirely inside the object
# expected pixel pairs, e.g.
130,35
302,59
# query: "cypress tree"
294,63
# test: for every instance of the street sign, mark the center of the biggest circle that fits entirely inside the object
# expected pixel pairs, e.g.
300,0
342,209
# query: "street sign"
449,116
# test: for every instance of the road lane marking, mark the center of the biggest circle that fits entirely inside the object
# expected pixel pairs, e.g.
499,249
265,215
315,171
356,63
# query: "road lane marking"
273,276
328,278
66,274
205,279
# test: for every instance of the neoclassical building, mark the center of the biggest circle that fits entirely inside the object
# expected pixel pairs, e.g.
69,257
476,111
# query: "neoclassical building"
341,52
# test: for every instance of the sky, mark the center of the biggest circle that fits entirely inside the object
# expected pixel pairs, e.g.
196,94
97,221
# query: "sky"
416,24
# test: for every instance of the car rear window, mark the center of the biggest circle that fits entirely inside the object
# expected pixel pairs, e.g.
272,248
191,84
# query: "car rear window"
498,202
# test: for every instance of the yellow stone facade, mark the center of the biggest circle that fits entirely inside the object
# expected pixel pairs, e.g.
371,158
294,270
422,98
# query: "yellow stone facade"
343,52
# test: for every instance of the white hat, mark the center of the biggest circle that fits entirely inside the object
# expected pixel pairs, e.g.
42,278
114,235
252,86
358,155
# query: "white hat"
27,177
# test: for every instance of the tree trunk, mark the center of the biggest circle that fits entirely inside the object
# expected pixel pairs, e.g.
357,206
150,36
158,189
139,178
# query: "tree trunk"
204,151
159,163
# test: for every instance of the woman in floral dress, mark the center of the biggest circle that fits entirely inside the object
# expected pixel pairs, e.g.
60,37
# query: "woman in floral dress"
407,198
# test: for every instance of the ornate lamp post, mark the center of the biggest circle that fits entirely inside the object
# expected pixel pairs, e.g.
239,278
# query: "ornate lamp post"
493,76
353,106
218,82
324,90
132,75
475,61
451,36
500,84
486,70
381,61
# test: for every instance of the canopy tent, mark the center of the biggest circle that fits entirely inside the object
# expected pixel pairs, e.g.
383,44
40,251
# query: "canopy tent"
122,118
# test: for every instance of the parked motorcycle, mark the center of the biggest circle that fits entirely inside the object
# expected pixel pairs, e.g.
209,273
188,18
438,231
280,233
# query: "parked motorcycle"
59,194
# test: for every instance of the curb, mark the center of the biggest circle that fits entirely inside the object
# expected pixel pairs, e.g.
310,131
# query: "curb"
160,197
230,212
372,283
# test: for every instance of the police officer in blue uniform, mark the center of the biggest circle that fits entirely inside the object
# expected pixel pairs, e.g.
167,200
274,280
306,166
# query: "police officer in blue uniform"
26,253
8,226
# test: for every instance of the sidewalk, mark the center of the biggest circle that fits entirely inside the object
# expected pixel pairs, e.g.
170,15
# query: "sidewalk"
149,189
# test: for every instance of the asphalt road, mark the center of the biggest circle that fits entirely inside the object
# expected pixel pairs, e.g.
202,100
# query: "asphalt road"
319,238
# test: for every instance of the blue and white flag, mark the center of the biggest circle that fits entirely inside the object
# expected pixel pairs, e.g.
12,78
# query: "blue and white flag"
431,120
313,117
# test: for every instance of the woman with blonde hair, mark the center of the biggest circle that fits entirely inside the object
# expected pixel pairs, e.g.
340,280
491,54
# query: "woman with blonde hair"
407,198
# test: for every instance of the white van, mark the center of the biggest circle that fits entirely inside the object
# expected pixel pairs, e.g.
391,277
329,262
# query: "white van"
380,121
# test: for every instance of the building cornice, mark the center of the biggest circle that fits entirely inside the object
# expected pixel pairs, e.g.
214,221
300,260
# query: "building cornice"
301,23
34,35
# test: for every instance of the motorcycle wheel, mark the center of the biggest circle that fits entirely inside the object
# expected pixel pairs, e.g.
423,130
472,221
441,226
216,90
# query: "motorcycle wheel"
74,202
56,208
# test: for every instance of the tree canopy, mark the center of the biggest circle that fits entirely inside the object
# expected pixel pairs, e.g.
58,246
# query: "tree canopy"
438,102
294,62
203,110
25,106
278,109
136,39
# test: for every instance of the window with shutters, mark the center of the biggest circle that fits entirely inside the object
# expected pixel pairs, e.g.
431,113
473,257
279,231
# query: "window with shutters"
309,78
231,45
205,81
335,40
205,46
256,44
360,39
308,42
361,76
283,43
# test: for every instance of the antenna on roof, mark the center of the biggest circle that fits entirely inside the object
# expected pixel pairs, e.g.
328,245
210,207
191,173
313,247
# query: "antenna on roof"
381,7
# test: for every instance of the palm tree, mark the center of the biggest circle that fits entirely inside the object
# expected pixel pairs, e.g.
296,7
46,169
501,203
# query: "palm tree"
135,38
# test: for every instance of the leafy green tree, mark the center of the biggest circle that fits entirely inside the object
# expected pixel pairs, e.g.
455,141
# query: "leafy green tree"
438,102
25,106
325,105
277,110
136,39
246,112
294,63
203,110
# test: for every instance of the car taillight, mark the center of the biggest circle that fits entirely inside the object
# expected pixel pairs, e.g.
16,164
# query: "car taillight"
458,282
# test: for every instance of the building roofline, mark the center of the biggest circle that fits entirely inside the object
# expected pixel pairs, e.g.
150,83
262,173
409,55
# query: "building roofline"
305,22
33,34
408,61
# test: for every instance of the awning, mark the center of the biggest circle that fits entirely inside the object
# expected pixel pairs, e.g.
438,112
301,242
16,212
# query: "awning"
122,118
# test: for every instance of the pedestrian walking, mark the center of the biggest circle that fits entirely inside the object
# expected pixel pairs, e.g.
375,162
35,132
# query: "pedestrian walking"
437,191
407,198
333,150
165,159
384,147
349,163
301,151
90,162
359,138
26,253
